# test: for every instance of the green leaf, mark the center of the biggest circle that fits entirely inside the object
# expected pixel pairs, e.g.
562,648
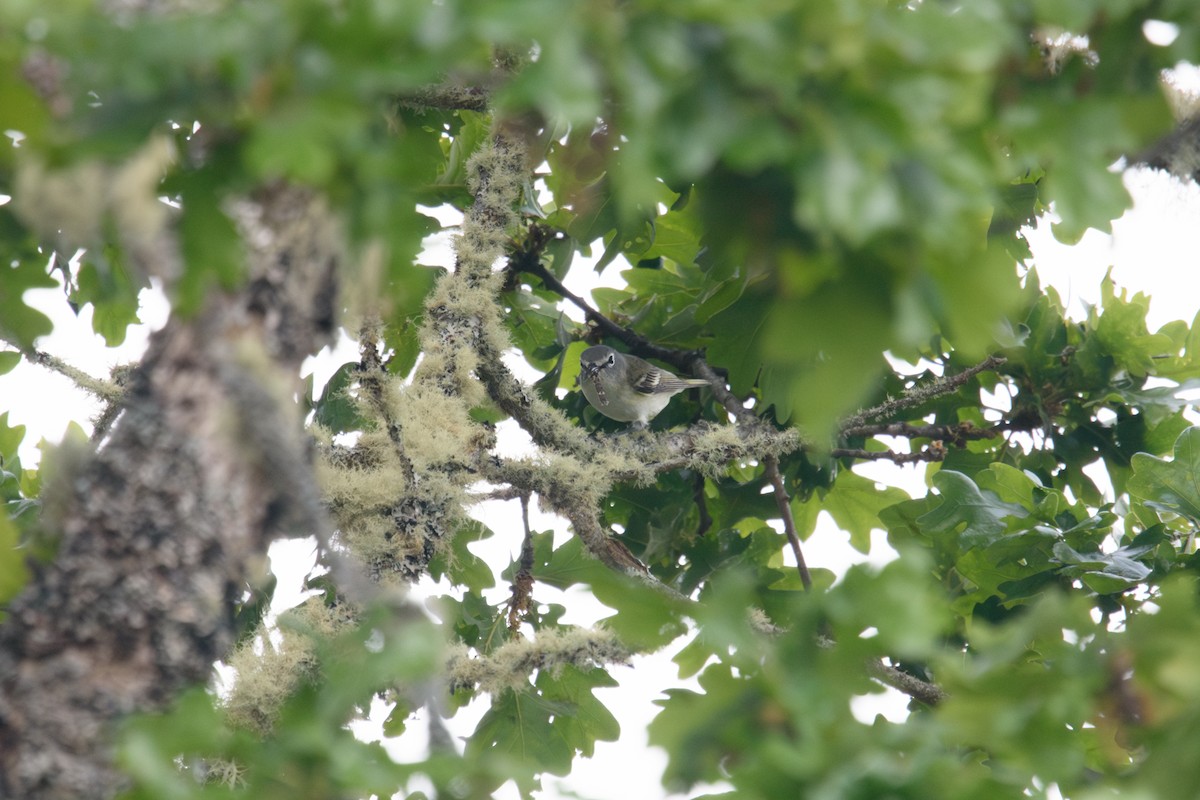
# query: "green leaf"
698,728
1103,573
110,289
19,323
469,137
13,572
473,620
410,285
675,235
303,140
646,619
901,599
568,565
854,502
739,334
397,719
1120,332
589,721
337,409
9,361
569,377
1172,486
459,564
977,517
519,729
10,439
1015,559
828,368
21,109
212,248
533,324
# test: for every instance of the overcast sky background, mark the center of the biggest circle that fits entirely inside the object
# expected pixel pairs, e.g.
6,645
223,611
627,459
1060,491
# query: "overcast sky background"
1153,249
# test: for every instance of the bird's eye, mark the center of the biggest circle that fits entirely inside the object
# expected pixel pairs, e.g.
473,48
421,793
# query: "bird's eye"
611,359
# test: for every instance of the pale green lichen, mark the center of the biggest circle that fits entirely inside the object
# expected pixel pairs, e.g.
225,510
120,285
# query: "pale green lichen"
438,428
495,177
388,523
510,666
267,673
712,449
369,479
222,772
75,205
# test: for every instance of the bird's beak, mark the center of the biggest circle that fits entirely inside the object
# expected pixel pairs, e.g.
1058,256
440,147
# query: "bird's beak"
591,370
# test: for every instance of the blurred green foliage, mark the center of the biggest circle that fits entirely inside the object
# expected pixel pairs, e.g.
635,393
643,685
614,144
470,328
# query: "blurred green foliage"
798,188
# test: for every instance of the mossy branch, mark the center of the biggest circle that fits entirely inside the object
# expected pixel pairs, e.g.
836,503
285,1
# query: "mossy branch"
110,392
919,395
373,378
928,693
573,489
510,665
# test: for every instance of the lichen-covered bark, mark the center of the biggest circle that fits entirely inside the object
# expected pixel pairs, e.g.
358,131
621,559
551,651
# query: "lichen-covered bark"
162,526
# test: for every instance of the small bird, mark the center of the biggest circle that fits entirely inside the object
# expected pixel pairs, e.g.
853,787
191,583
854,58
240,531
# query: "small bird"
626,388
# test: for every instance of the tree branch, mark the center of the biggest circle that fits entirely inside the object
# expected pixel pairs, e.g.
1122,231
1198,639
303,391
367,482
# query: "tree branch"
373,377
569,490
783,504
935,452
917,395
161,527
448,97
1178,152
928,693
108,391
958,434
509,666
529,261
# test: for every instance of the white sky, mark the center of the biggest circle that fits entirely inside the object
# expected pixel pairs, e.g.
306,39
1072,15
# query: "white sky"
1153,248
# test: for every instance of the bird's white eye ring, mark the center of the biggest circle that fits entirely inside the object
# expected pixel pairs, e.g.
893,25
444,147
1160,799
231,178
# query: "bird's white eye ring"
612,359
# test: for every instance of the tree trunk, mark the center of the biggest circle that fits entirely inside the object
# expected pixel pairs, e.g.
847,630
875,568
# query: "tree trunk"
163,525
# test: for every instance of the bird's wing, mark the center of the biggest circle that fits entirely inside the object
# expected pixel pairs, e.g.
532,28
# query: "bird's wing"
648,382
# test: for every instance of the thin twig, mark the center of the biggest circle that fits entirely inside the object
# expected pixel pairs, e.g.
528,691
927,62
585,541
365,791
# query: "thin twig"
783,503
112,393
530,262
697,365
935,452
923,691
957,434
522,585
706,519
499,493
